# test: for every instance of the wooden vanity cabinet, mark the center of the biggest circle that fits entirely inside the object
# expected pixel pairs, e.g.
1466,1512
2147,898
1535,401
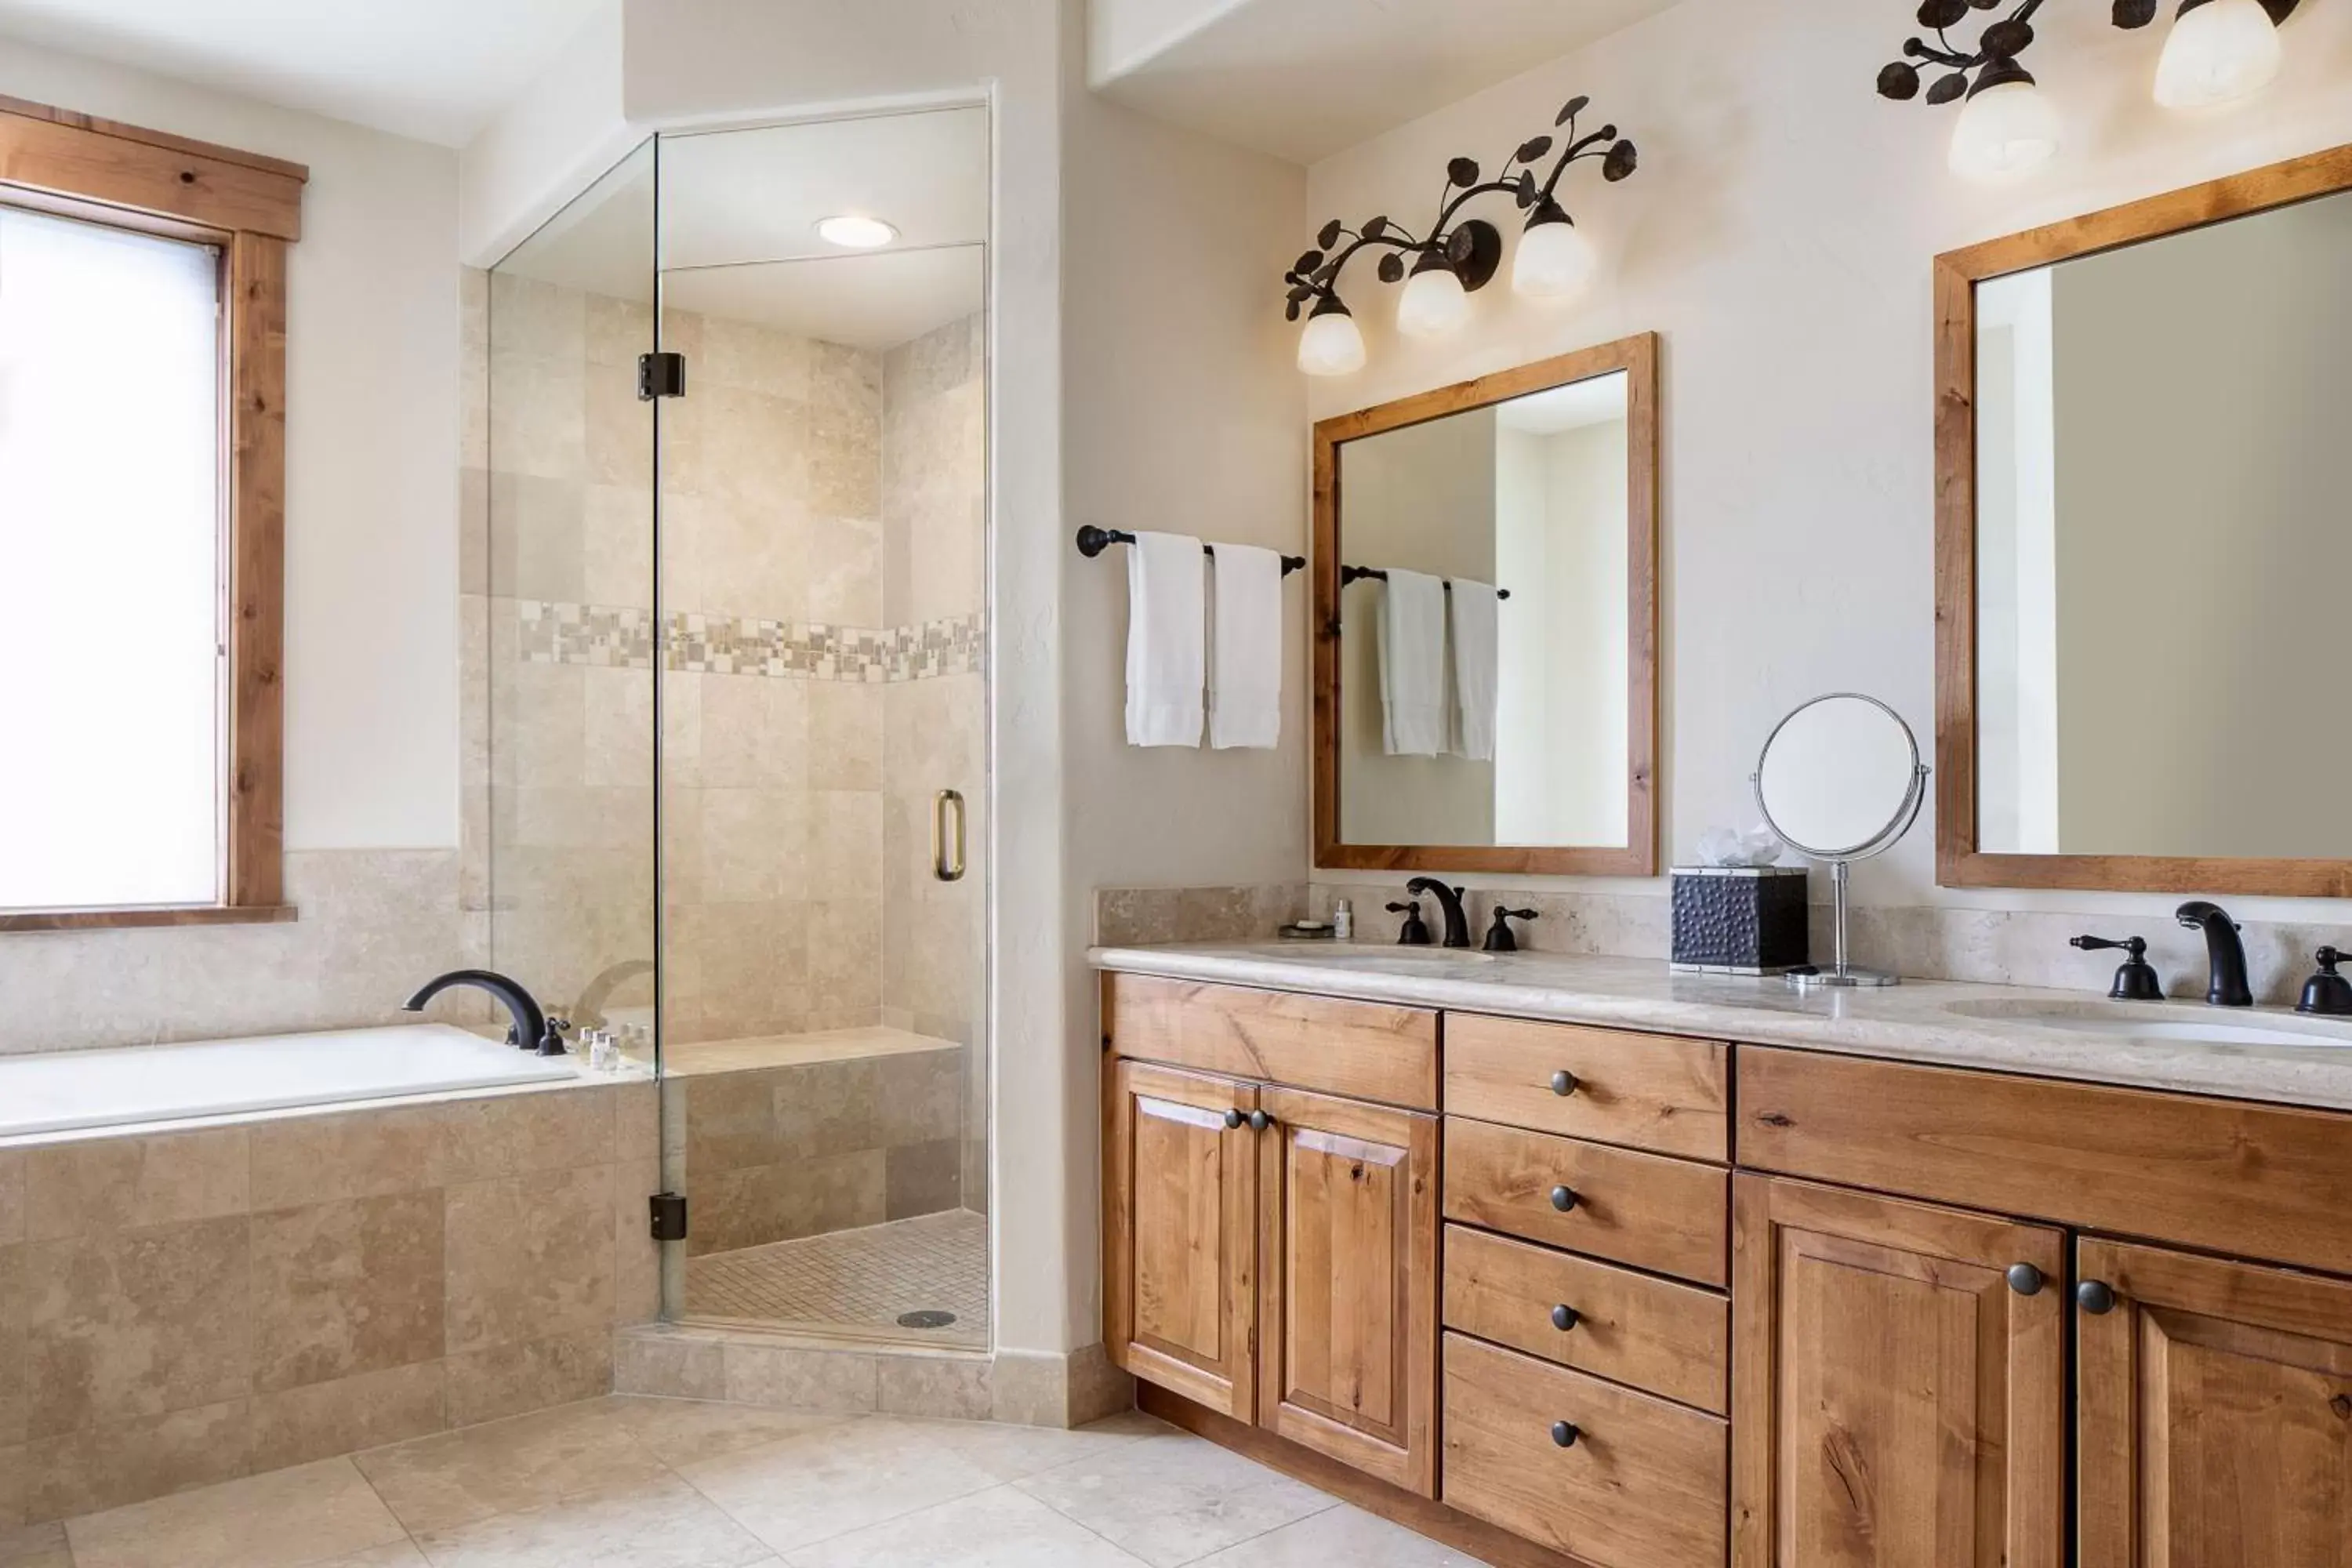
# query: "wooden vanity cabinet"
1897,1384
2213,1412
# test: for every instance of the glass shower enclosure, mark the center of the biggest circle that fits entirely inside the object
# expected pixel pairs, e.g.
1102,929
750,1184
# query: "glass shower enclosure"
730,639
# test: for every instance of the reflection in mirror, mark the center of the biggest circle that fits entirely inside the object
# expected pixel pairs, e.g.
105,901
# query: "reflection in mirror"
1471,720
2161,554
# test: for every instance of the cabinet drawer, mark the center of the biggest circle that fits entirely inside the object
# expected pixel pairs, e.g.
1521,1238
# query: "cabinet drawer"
2257,1181
1670,1339
1365,1050
1648,1091
1667,1215
1643,1484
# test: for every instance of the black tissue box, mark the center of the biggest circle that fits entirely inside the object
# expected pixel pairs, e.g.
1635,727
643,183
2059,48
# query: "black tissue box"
1740,920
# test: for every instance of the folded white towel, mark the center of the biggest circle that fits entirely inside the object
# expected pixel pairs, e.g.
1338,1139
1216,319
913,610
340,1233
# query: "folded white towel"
1413,665
1475,661
1245,650
1167,637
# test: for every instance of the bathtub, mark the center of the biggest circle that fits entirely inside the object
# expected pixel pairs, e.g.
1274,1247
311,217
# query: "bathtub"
66,1091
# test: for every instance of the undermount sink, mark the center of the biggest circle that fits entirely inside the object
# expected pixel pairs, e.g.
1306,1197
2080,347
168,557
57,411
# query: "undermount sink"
1366,955
2157,1021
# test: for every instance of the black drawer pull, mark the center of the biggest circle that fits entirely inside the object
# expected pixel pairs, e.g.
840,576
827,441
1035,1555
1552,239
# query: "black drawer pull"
1563,1083
1234,1119
1563,1199
1566,1433
2095,1297
1565,1317
2024,1278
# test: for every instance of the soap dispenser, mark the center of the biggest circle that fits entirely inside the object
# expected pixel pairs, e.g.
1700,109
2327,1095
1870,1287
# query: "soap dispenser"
2135,979
2327,993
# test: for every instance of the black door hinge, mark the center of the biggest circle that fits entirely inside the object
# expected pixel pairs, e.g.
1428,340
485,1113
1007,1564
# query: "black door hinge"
669,1217
661,375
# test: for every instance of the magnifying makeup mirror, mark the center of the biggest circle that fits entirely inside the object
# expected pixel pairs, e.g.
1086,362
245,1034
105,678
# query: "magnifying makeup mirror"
1840,779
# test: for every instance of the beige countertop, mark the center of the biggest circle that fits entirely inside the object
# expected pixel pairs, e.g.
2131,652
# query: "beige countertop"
2004,1028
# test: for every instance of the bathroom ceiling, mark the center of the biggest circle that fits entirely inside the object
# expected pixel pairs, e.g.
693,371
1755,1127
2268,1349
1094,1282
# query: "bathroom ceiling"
1304,78
433,69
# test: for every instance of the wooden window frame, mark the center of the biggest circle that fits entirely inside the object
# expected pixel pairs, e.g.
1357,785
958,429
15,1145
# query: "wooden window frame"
53,160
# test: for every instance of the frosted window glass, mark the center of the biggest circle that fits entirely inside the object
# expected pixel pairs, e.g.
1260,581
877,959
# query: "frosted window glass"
111,702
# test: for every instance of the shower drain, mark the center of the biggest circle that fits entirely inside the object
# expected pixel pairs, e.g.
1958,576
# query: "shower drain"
928,1318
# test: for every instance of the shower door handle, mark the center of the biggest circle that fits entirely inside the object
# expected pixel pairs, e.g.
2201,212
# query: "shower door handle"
947,836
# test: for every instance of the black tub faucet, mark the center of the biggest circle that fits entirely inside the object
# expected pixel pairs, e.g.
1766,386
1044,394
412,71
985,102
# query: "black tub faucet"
2226,955
1457,921
531,1028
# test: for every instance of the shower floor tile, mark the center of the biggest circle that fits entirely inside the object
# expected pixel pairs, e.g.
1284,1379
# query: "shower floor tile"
854,1282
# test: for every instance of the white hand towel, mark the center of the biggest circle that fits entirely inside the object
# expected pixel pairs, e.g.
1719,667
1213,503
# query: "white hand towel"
1245,650
1167,637
1413,665
1475,657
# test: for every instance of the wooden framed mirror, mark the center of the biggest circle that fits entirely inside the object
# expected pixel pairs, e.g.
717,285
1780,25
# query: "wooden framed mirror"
1486,567
2141,549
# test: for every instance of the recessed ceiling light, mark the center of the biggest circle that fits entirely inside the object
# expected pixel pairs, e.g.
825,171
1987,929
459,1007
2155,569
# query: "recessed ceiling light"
855,232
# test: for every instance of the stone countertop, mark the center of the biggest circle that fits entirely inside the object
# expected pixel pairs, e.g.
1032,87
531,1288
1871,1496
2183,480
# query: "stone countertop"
2001,1028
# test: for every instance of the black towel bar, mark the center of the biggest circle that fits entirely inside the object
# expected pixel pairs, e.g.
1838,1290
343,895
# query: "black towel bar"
1358,574
1093,541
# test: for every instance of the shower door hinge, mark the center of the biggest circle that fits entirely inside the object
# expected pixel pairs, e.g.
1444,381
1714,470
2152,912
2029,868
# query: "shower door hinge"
661,375
669,1217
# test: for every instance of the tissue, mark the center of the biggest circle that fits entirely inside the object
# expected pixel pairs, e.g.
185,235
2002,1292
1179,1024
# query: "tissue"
1757,845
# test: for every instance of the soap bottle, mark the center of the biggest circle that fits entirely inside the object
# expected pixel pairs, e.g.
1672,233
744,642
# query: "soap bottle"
1343,920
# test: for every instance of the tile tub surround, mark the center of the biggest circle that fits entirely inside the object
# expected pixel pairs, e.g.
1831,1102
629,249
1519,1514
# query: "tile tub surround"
1918,1021
178,1309
660,1483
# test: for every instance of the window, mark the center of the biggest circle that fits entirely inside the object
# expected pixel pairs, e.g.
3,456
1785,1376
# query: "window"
141,526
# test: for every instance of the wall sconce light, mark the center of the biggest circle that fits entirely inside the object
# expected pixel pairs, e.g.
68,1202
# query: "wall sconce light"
2218,50
1457,259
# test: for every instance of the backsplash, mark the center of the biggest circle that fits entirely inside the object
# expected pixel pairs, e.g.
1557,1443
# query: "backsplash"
1998,947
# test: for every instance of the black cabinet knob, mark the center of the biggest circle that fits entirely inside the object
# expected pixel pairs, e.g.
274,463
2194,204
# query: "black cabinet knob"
1260,1120
1234,1119
2025,1280
1565,1317
2095,1297
1563,1083
1566,1433
1563,1199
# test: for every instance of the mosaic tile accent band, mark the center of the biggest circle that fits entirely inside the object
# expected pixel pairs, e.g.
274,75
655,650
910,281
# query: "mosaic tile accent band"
622,637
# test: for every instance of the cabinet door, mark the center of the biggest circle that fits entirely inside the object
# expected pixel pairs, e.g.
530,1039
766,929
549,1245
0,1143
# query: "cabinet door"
2214,1403
1897,1402
1180,1233
1349,1251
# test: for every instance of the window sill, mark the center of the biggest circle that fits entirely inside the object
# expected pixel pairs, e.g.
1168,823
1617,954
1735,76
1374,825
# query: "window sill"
130,920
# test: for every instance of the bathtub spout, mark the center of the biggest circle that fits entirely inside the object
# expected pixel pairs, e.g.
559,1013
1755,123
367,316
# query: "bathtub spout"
531,1028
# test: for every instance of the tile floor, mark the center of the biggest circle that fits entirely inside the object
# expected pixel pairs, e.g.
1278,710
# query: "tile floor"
657,1483
855,1281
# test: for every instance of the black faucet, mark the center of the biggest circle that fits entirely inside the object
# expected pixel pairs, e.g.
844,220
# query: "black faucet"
1457,921
531,1029
2225,954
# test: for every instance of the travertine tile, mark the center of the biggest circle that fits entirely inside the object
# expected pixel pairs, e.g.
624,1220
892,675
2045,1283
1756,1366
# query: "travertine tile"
996,1527
1340,1534
365,1411
16,1481
656,1523
637,1121
673,1365
922,1096
529,1257
637,1256
309,1514
352,1154
399,1554
687,1431
35,1546
131,1461
107,1184
1172,1499
532,1374
436,1483
826,1107
520,1134
951,1388
137,1323
833,1381
812,1488
12,1196
15,1291
924,1178
346,1288
1012,1453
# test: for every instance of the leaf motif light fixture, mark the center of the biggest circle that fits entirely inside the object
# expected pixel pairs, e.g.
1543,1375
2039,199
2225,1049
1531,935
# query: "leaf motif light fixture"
1458,255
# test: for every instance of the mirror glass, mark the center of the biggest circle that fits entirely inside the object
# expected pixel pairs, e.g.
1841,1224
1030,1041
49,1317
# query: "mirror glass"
1838,775
2161,552
1468,716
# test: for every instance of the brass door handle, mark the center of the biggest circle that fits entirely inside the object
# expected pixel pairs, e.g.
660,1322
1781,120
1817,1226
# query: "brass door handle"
947,836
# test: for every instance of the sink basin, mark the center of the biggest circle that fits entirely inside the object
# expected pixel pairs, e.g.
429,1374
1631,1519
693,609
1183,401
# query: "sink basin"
1373,956
2140,1021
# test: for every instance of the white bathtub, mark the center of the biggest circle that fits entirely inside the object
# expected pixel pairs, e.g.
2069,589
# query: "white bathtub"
64,1092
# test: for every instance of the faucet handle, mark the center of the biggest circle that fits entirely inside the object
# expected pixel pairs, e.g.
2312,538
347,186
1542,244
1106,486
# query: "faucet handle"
1500,938
1416,930
2135,978
2327,993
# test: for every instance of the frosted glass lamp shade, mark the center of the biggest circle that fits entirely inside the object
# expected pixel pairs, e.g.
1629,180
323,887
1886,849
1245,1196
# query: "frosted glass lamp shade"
1434,303
1332,344
2006,132
2219,52
1554,260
